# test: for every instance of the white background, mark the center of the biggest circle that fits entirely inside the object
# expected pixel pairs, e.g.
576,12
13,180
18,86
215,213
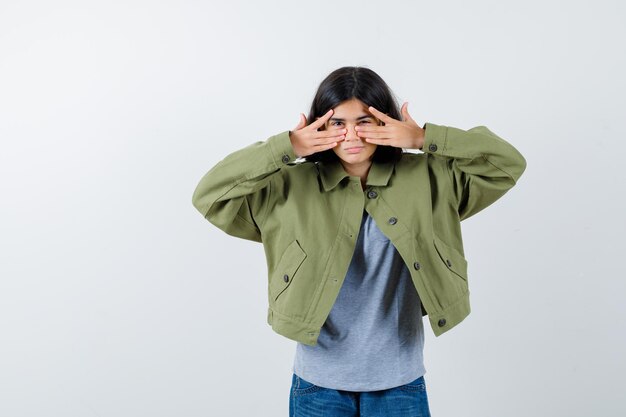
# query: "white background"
117,299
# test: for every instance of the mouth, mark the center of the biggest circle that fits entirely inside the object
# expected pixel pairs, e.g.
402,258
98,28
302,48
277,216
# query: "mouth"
354,149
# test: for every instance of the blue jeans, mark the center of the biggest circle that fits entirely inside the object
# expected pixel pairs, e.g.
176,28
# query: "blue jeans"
309,400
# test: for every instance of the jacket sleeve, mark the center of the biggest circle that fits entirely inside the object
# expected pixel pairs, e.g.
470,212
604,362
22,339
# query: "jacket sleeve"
234,193
481,165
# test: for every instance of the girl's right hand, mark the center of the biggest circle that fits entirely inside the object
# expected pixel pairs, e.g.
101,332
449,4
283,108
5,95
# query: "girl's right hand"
307,140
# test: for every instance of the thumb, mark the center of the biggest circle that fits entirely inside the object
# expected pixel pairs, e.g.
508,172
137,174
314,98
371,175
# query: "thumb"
301,122
405,113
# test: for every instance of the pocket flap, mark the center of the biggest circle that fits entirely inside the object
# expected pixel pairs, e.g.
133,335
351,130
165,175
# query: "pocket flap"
452,258
286,269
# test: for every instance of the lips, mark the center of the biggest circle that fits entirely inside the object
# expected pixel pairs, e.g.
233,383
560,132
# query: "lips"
354,149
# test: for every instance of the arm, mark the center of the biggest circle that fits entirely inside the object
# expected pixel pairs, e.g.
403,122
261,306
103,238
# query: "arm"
234,193
481,165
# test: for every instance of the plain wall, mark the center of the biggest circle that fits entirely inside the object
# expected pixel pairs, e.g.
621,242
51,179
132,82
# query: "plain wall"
118,299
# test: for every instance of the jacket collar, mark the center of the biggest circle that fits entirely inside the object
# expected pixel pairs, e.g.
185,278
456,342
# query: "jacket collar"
331,173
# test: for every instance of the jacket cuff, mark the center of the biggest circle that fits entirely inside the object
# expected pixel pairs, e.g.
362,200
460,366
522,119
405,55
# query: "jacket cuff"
435,138
281,148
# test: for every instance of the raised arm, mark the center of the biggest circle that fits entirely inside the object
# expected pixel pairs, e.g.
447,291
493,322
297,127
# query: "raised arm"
482,166
235,192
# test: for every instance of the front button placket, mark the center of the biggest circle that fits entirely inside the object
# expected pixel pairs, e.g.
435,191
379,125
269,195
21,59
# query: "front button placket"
355,206
349,231
392,227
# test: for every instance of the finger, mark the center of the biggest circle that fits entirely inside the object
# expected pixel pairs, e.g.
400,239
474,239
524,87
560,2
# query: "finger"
384,142
333,133
325,137
320,148
382,116
375,135
331,140
301,123
321,120
405,113
372,128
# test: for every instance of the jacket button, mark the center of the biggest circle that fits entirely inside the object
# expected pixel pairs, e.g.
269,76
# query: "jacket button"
393,220
448,262
285,158
372,194
286,278
416,265
442,322
432,147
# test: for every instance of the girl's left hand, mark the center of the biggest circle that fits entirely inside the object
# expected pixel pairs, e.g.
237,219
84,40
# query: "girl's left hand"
401,134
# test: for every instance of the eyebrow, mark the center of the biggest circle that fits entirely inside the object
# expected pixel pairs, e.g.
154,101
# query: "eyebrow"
365,116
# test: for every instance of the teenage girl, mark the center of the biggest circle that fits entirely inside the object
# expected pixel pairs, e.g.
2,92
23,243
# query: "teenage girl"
357,269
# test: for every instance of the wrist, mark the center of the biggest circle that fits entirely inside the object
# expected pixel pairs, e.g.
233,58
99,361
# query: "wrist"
423,137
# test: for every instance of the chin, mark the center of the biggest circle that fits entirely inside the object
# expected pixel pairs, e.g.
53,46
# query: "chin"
356,159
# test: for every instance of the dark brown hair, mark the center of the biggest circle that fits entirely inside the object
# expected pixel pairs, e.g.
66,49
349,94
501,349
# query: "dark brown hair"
363,84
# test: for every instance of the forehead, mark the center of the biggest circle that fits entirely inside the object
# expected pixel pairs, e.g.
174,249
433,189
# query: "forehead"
351,110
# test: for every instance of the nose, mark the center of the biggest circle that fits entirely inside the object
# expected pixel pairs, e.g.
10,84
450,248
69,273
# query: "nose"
351,133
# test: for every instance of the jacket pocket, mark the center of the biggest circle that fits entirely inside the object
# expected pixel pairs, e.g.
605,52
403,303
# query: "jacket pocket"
286,269
451,258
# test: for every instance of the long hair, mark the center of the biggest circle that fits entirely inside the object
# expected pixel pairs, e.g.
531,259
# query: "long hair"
363,84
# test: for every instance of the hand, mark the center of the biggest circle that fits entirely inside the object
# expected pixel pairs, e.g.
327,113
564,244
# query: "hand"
401,134
307,140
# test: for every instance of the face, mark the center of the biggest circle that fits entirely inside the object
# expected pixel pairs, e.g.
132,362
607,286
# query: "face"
354,152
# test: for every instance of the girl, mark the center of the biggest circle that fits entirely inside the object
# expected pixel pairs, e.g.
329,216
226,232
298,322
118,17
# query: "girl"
362,239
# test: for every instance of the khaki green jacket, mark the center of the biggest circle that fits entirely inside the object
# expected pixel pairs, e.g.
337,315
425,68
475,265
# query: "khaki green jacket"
307,216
